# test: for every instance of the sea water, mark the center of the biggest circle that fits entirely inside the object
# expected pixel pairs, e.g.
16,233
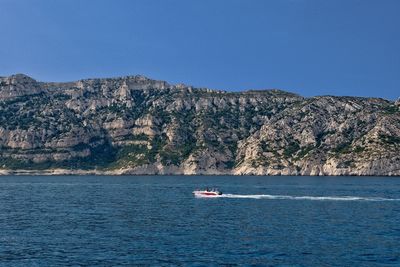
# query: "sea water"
155,220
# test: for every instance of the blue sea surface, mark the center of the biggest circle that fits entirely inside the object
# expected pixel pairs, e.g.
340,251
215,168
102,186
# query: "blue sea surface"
155,220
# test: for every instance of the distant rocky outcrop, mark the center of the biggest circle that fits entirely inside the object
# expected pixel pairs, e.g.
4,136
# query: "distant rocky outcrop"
136,125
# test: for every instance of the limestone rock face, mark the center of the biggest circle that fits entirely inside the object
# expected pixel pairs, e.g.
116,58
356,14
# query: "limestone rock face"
17,86
136,125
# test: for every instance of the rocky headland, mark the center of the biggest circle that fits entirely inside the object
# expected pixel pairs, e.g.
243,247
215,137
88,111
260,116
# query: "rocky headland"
136,125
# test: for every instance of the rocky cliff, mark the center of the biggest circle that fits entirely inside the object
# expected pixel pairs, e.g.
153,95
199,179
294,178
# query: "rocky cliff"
135,125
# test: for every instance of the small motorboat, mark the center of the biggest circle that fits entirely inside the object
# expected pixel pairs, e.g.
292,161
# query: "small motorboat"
207,193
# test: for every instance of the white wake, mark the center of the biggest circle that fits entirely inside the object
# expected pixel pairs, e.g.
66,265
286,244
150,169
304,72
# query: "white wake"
320,198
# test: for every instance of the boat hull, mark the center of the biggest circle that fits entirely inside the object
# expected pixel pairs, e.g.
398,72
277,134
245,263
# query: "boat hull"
206,194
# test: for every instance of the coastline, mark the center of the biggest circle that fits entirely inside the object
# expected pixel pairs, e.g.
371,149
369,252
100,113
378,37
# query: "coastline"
131,172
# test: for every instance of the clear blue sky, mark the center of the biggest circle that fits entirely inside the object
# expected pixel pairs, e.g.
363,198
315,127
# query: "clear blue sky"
311,47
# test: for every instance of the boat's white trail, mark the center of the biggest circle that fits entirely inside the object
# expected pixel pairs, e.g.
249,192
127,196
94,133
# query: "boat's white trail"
320,198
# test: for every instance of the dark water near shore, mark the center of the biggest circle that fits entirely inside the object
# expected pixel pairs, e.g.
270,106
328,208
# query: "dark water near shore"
265,221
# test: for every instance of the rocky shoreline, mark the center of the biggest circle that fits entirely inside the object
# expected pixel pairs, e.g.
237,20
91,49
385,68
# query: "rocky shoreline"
134,125
133,172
